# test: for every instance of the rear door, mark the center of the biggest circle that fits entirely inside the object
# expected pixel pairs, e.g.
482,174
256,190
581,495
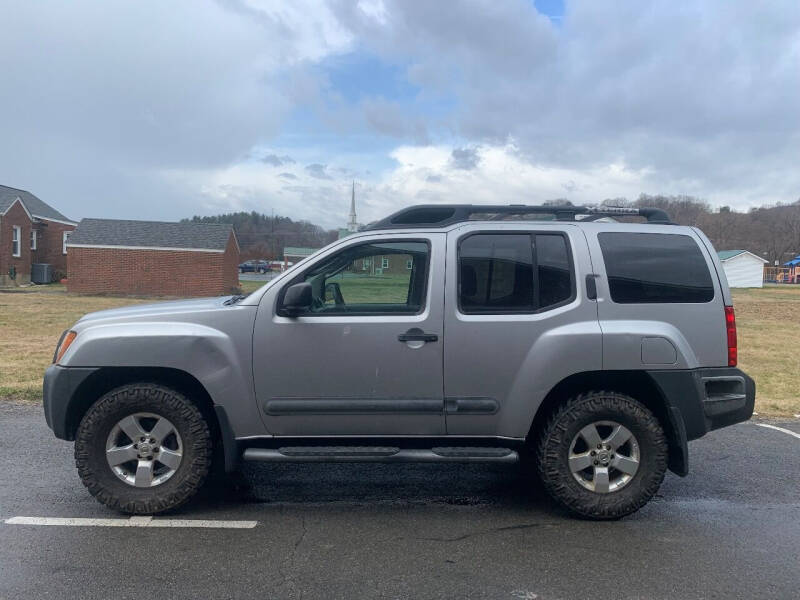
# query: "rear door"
517,321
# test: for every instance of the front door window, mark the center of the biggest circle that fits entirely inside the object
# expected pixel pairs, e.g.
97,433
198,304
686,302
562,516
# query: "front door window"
374,278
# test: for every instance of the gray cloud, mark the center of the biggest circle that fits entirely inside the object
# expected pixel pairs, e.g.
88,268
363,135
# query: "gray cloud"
465,158
701,100
698,98
276,161
92,127
317,171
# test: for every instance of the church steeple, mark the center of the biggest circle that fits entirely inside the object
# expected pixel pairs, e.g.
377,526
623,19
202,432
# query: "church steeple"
352,224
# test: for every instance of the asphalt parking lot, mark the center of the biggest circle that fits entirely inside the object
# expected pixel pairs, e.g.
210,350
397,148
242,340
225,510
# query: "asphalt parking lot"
731,529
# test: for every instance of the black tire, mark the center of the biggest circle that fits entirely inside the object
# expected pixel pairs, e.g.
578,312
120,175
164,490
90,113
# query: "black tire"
556,439
96,425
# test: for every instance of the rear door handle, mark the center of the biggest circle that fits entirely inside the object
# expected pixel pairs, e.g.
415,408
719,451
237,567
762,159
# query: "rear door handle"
591,286
417,335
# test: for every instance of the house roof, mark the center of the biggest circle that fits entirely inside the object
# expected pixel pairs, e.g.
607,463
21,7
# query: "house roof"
729,254
32,204
296,251
151,234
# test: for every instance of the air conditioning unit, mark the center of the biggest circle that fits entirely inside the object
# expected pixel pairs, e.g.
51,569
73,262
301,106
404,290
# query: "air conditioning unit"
41,273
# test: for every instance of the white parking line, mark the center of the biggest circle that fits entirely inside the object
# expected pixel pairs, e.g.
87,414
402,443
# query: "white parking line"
132,522
792,433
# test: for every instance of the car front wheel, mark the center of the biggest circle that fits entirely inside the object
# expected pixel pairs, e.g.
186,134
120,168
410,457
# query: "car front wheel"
602,455
143,448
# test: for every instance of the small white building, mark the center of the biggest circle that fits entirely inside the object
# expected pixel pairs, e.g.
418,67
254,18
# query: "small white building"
742,268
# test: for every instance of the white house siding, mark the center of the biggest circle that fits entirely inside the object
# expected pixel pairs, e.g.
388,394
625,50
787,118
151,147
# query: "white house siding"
744,271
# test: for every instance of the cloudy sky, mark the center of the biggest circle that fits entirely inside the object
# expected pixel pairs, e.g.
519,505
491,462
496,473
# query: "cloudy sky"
160,110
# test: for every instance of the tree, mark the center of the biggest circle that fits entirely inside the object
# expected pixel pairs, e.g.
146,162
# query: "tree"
264,236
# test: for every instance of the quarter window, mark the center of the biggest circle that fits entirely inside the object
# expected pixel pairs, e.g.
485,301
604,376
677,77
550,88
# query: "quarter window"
350,281
645,268
514,273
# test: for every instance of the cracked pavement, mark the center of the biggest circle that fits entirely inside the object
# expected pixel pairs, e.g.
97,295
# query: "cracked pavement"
730,529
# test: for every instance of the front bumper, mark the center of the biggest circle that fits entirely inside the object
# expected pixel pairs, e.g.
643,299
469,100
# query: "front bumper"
60,399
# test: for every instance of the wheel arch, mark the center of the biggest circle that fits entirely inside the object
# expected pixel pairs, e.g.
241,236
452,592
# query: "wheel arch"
636,384
105,379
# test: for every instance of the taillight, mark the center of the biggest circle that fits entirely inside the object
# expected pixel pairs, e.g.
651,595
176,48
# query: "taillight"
730,328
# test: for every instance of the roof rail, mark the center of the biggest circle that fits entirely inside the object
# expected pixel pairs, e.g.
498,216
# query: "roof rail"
441,215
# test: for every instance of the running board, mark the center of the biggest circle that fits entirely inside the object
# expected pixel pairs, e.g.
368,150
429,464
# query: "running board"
382,454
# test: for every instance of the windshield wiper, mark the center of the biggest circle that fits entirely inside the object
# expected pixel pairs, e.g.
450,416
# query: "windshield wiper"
235,299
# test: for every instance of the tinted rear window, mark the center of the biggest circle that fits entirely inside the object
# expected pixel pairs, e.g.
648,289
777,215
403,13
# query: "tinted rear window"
655,268
514,273
496,273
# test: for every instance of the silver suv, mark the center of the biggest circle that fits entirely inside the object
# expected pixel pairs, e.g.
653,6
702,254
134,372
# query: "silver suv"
590,348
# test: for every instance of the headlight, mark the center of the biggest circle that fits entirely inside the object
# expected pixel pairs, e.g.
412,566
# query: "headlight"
66,340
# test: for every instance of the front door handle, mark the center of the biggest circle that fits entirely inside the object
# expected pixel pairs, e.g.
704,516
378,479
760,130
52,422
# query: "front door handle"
417,335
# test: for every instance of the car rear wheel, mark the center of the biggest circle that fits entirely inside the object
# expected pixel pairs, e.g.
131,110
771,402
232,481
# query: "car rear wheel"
602,455
143,448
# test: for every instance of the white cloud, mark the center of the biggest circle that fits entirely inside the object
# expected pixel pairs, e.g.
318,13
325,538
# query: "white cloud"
99,98
147,110
702,96
424,174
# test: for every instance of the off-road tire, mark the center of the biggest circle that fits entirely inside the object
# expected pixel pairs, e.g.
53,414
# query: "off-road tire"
556,438
94,428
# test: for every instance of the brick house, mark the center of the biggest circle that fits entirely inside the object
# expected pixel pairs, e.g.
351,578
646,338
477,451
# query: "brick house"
150,258
31,231
391,264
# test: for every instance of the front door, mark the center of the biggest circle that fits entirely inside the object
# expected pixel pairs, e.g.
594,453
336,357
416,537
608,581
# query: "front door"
366,359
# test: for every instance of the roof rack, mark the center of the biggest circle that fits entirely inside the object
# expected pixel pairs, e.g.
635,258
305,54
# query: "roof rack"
441,215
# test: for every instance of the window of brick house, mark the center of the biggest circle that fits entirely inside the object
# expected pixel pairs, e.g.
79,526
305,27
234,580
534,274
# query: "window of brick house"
33,239
16,248
64,239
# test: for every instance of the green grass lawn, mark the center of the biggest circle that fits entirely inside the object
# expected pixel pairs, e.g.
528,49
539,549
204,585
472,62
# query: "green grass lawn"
248,287
31,322
372,289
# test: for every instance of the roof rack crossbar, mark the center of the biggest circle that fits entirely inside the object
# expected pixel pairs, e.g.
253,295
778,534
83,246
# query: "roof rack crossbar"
441,215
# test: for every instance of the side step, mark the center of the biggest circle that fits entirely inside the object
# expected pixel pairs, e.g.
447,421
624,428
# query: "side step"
383,454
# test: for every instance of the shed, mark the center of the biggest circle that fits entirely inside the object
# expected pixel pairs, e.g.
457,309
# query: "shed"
293,254
152,258
743,269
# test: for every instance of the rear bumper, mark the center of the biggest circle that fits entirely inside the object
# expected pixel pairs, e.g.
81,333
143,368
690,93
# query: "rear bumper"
58,391
707,399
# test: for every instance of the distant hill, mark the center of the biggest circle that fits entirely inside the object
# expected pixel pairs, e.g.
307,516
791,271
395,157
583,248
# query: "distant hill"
264,236
772,232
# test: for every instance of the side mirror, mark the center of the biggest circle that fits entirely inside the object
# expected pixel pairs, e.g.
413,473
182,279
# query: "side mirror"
298,299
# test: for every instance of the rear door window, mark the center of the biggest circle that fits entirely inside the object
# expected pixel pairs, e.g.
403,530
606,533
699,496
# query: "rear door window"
646,268
514,273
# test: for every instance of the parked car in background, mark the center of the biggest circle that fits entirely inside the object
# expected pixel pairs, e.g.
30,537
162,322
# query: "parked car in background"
255,266
597,350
